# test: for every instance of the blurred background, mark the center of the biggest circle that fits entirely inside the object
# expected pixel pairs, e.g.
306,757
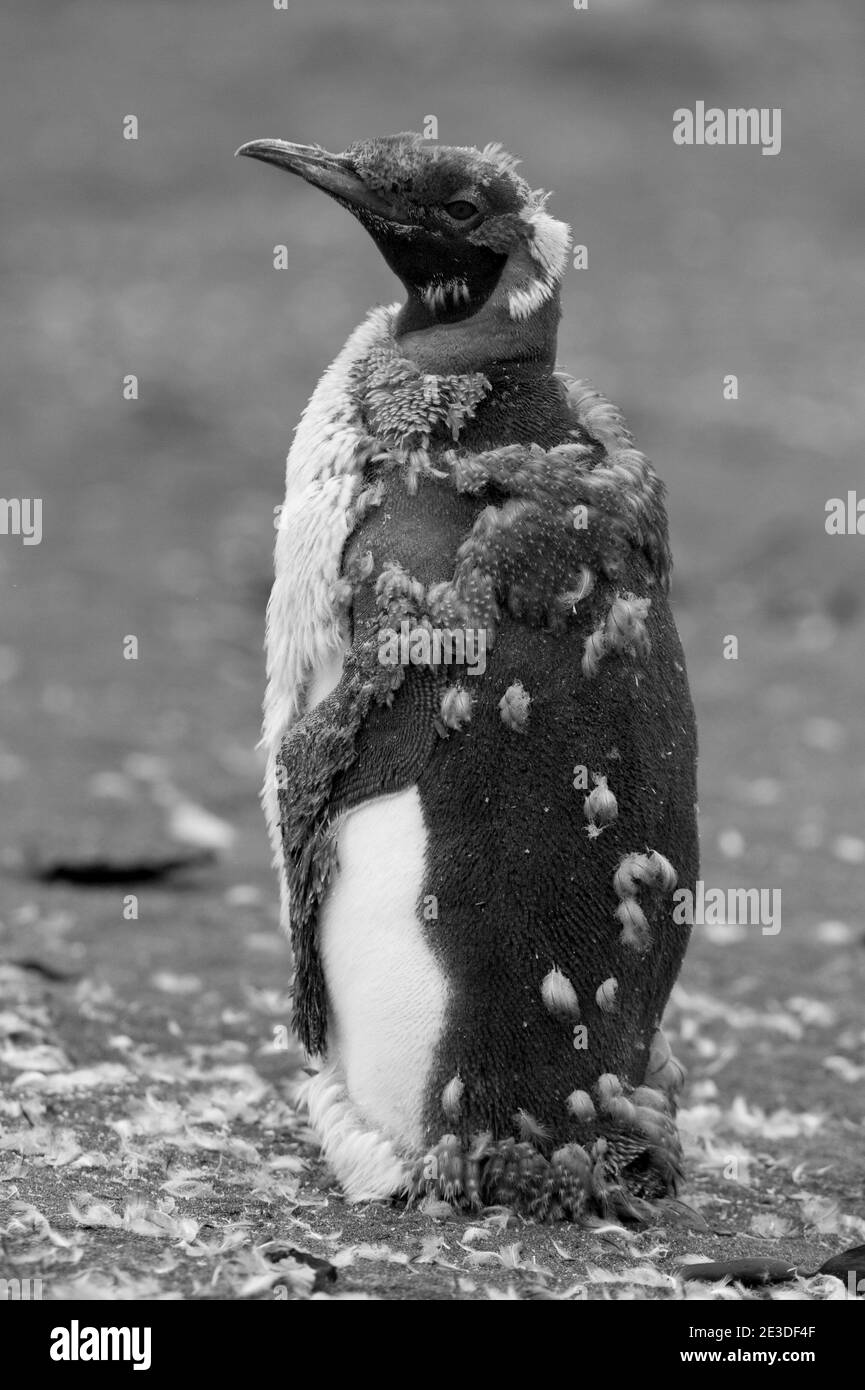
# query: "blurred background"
155,257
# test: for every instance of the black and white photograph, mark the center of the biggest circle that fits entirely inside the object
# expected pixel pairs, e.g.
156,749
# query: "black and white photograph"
432,664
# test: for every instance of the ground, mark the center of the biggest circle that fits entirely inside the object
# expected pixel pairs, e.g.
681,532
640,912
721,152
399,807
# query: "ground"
149,1144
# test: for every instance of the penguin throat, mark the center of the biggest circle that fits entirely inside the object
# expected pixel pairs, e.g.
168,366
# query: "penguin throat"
488,340
446,281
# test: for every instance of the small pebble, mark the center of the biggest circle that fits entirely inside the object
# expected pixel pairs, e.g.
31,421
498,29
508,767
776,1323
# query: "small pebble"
849,849
112,786
731,843
835,933
170,983
725,933
243,895
825,734
762,791
816,633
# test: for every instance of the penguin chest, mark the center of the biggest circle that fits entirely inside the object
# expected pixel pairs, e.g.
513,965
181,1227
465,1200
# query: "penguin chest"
386,993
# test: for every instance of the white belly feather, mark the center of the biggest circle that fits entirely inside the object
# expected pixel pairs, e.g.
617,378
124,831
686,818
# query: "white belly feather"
386,992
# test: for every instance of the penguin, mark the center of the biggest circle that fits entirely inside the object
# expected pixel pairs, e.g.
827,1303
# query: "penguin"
480,745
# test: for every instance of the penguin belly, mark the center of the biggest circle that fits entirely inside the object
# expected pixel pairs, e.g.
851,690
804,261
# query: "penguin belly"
386,994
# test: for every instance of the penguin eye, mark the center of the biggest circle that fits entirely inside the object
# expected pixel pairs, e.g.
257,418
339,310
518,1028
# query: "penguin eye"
461,210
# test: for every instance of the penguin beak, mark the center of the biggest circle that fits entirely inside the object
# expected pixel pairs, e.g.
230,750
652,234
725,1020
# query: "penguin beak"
331,172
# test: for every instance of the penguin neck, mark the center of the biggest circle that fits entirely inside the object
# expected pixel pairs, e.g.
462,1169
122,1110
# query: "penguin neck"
491,340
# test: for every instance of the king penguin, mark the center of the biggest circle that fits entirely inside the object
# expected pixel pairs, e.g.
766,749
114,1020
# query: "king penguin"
480,744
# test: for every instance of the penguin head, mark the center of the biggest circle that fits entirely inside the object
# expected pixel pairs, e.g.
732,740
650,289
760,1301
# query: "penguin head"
479,256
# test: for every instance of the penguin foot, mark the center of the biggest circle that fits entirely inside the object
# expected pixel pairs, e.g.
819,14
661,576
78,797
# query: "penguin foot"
614,1177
